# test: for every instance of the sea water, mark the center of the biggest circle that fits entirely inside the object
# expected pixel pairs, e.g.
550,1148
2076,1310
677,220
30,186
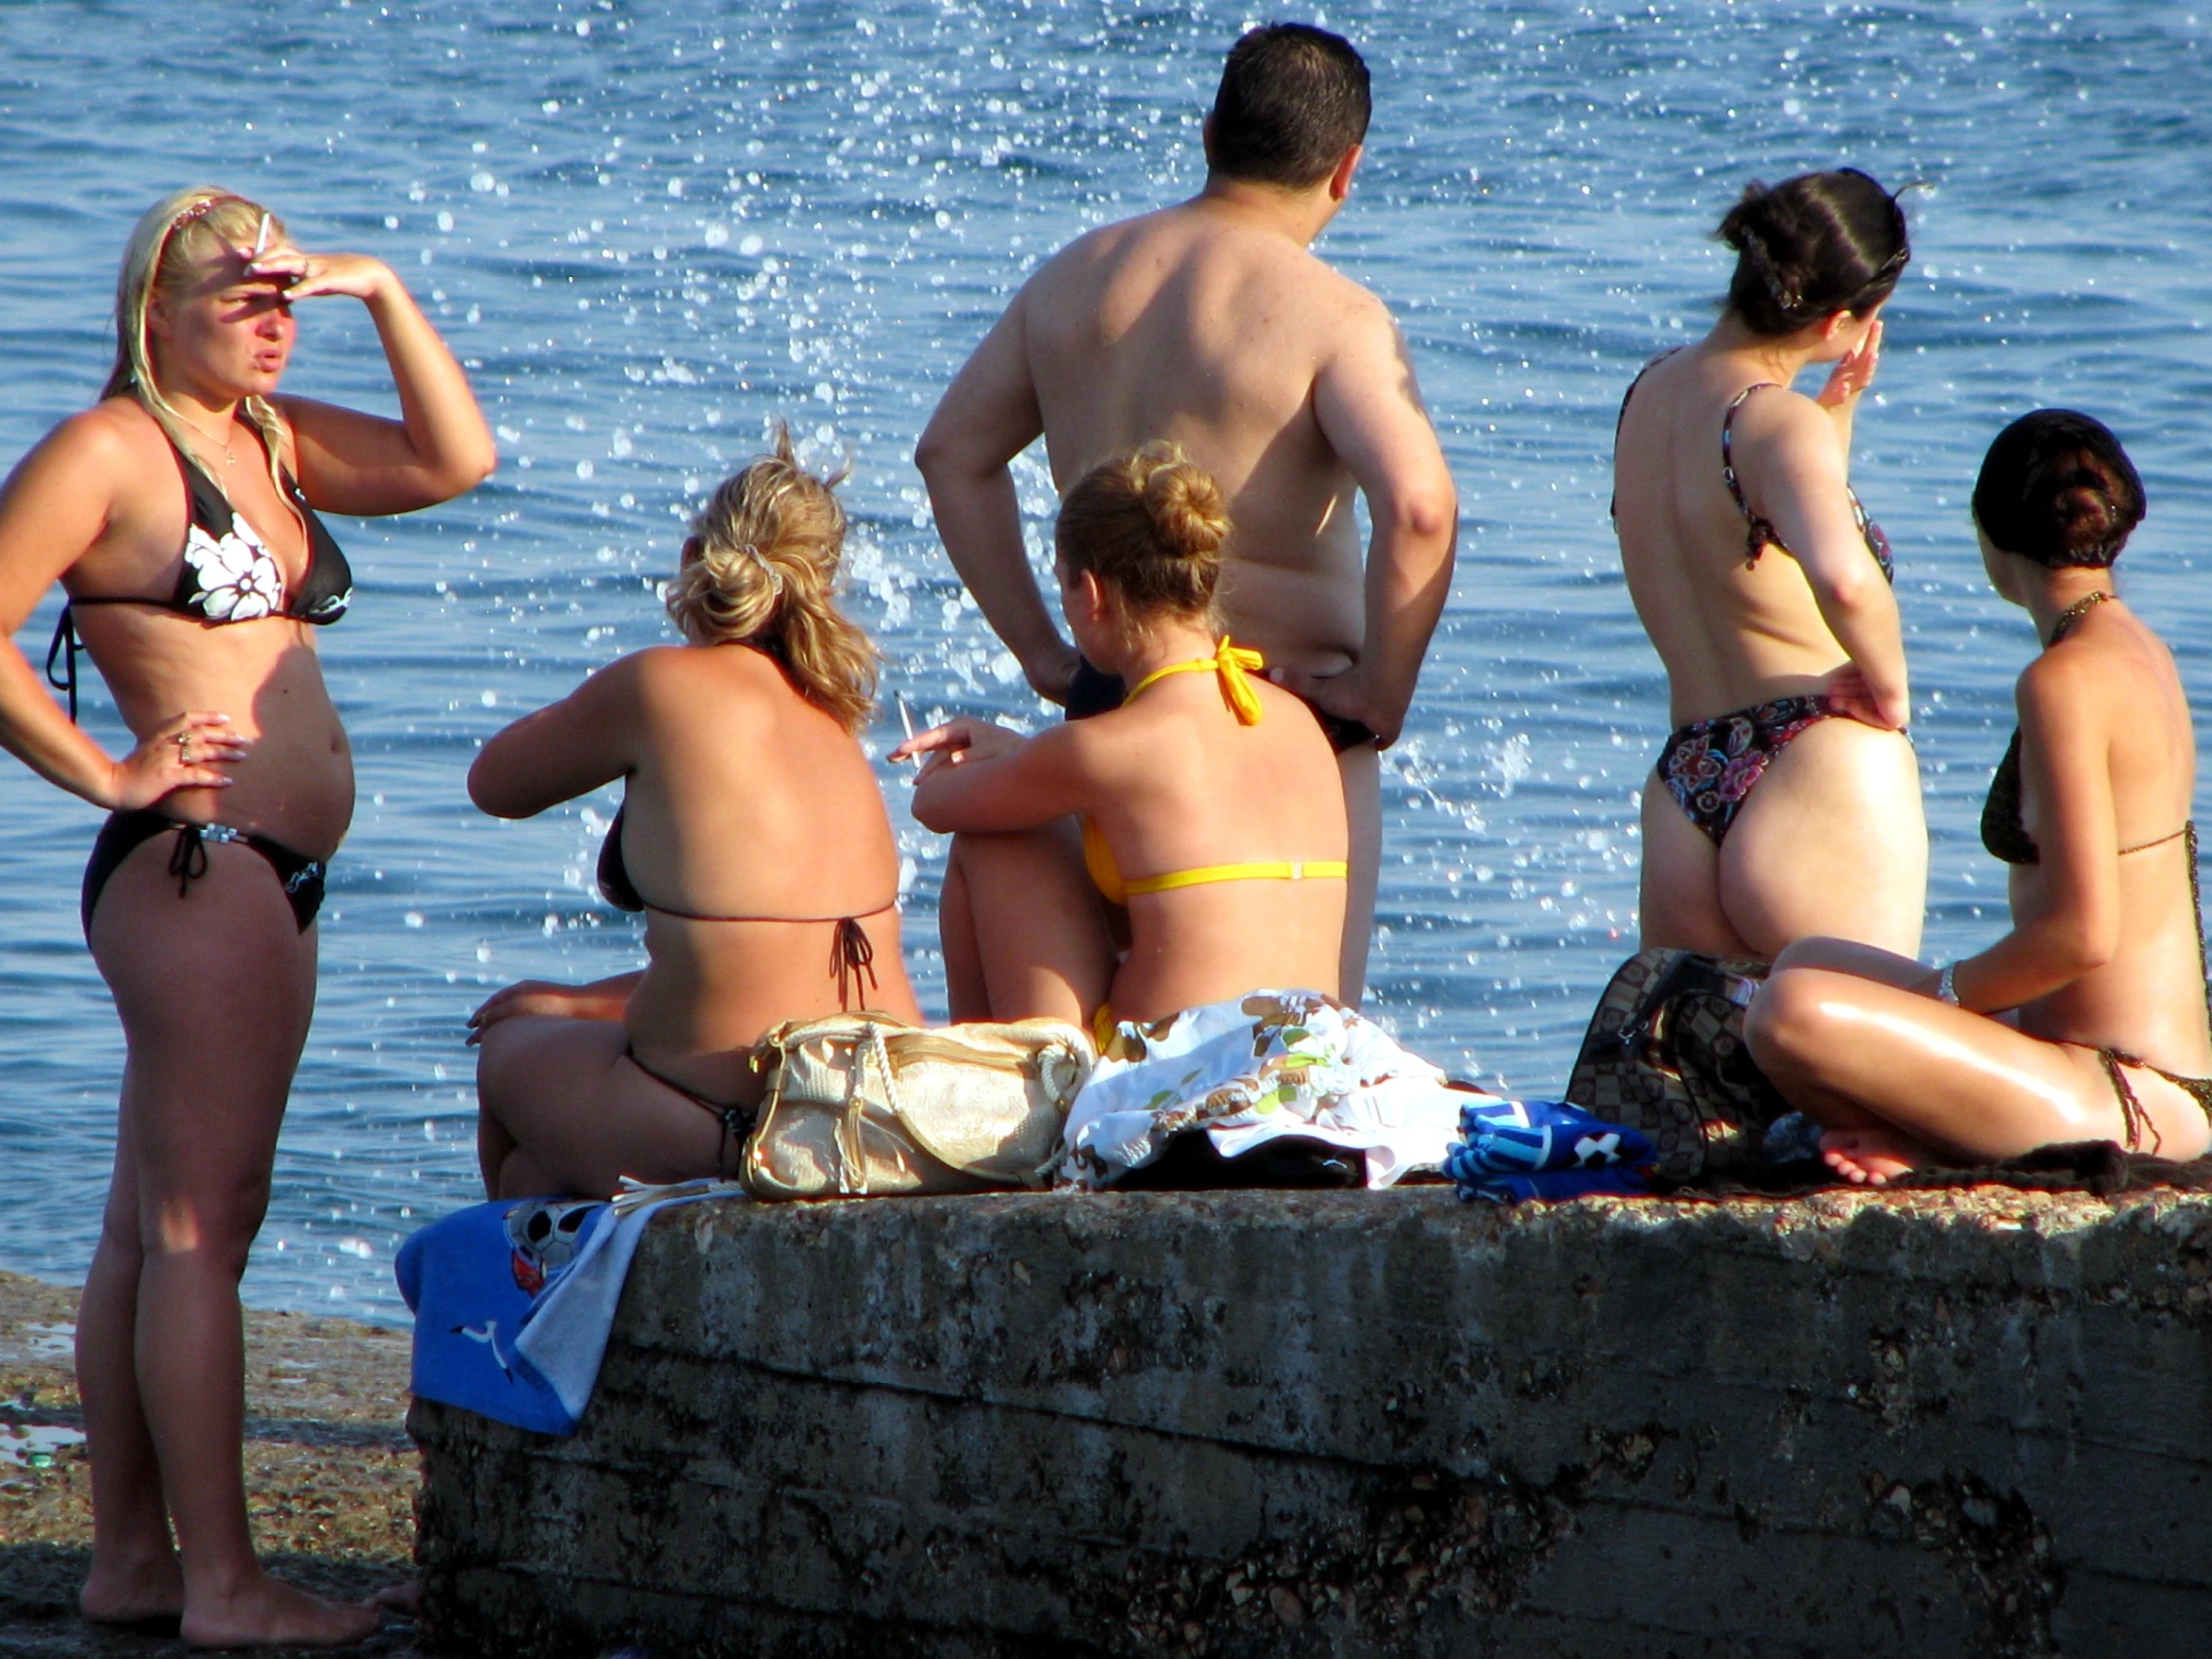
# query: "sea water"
651,229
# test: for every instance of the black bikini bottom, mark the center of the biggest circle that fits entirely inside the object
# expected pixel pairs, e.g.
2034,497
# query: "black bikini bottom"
736,1119
303,879
1710,767
1095,692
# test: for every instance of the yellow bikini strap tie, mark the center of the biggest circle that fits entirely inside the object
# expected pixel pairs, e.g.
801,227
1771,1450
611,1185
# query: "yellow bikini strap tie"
1230,663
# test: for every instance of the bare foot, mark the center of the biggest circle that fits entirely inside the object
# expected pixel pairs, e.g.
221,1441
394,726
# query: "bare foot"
1872,1157
265,1612
143,1595
404,1599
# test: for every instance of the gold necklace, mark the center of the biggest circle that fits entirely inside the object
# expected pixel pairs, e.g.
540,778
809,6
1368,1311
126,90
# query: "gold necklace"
224,444
2074,612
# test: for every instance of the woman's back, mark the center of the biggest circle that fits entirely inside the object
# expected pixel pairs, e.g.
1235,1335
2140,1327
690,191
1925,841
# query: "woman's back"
2110,695
1784,803
753,825
1733,628
1182,787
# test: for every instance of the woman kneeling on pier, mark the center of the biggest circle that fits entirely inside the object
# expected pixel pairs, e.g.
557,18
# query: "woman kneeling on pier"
761,855
2088,1021
1201,825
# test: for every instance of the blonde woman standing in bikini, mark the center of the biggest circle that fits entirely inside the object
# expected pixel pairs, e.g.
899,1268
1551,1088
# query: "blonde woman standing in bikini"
1786,802
180,514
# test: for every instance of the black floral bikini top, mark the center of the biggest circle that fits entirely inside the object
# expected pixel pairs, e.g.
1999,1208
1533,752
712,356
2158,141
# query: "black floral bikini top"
1759,533
225,574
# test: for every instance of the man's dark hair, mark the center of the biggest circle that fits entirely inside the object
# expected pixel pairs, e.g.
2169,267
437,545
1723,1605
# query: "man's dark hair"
1293,100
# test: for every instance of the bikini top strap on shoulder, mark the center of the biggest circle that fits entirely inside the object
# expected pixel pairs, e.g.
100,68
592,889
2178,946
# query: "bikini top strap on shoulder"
1759,532
1613,507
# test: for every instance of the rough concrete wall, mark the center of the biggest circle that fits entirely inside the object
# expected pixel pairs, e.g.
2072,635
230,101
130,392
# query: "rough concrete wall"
1250,1424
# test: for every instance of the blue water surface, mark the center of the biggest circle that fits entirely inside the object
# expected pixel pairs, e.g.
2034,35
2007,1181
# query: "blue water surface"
652,228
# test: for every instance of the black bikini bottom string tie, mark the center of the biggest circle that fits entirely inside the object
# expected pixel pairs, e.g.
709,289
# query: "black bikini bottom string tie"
64,647
187,859
851,955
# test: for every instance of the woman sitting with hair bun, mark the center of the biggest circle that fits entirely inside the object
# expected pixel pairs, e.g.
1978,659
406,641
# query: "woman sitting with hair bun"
1765,589
2088,1021
761,855
1212,823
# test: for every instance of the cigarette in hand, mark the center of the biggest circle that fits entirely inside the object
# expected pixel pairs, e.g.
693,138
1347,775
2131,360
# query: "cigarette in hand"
907,719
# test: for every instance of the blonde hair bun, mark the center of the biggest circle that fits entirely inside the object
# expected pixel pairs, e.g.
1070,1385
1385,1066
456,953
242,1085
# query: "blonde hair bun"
1151,521
762,569
1188,514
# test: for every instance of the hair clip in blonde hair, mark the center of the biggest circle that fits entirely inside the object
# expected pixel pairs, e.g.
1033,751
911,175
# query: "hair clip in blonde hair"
204,204
775,576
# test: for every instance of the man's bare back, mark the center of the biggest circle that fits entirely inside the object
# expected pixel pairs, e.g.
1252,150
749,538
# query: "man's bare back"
1209,323
1191,325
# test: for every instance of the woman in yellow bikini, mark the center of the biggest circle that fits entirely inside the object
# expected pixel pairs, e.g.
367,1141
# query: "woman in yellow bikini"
1185,849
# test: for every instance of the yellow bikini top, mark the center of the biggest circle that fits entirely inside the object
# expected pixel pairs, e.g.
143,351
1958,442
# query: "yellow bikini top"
1231,663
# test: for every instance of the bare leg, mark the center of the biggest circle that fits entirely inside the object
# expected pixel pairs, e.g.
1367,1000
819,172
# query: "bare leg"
134,1563
1679,889
1034,928
216,990
1361,770
577,1116
966,995
1859,1145
1939,1083
494,1145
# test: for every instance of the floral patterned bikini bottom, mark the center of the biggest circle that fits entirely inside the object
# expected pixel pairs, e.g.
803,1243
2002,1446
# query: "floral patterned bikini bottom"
1711,766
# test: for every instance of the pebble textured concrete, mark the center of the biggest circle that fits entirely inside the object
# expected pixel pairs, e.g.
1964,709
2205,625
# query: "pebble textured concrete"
1967,1422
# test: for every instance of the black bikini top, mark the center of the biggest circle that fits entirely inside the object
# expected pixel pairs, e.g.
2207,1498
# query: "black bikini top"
2003,825
1759,532
225,573
851,954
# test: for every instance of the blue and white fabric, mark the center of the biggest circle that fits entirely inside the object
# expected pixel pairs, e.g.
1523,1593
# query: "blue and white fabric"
514,1299
1513,1150
1258,1067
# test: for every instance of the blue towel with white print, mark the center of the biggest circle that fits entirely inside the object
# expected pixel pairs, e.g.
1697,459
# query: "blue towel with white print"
472,1277
1513,1150
514,1299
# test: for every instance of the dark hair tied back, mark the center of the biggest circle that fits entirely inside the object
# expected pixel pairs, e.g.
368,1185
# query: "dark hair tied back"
1812,246
2056,488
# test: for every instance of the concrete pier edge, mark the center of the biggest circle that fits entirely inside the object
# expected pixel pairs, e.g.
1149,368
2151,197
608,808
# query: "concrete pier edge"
1969,1422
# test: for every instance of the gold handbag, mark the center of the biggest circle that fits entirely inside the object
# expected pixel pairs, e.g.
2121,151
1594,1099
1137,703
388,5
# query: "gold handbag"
865,1103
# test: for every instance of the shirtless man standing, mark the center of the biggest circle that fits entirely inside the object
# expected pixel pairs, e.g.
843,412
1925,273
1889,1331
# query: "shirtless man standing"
1210,324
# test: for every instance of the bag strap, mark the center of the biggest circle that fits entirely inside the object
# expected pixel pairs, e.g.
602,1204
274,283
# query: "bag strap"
850,1147
914,1130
